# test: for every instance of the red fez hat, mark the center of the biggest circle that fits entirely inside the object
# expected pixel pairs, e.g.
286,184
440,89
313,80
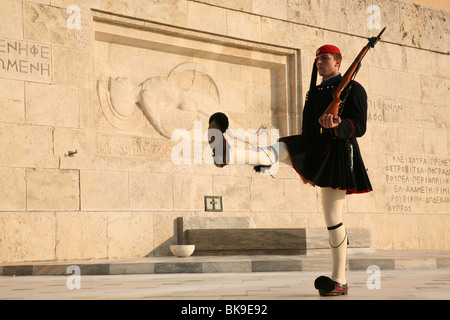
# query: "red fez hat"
327,49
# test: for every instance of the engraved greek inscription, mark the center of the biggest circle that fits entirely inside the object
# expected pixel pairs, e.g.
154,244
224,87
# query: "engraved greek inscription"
418,181
22,60
383,110
131,147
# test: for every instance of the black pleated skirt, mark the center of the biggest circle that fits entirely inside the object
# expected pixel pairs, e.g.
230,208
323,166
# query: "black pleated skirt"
326,162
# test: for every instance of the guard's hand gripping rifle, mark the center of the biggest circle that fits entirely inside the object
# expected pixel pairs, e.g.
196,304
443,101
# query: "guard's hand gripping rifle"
335,105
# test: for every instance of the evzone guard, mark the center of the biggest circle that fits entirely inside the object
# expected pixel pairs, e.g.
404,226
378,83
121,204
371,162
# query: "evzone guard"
326,154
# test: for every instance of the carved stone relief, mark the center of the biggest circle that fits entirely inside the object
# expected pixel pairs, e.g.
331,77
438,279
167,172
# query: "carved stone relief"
168,102
153,80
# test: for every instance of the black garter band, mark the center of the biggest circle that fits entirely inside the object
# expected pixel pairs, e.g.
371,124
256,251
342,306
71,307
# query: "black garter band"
334,228
259,168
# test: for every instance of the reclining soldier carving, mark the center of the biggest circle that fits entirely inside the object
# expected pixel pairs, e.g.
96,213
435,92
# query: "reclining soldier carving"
188,94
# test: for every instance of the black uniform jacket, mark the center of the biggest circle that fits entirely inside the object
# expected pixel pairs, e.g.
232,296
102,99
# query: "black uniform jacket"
320,156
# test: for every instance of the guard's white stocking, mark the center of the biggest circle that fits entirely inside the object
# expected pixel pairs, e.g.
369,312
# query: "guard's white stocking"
264,156
333,202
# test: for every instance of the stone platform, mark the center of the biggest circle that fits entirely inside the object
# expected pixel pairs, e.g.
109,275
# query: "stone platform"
272,241
385,260
219,236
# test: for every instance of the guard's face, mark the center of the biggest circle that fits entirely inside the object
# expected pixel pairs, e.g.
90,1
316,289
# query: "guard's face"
327,65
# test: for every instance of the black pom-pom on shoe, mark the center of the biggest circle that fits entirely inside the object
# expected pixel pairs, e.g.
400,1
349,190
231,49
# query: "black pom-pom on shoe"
221,121
324,283
328,287
218,121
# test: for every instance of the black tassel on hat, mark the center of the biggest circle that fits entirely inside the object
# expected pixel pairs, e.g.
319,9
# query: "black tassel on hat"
313,77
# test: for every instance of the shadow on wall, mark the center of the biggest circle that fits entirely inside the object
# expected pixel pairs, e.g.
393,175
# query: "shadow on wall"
163,249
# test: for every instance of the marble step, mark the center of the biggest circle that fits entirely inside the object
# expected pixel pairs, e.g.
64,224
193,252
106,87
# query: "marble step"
384,260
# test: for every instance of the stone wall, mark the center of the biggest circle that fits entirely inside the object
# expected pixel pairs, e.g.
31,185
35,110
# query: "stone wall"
122,82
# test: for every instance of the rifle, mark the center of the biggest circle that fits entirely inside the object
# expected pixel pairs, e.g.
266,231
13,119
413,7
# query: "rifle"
336,104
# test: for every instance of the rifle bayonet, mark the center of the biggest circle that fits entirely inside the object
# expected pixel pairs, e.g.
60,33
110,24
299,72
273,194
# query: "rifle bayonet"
373,41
